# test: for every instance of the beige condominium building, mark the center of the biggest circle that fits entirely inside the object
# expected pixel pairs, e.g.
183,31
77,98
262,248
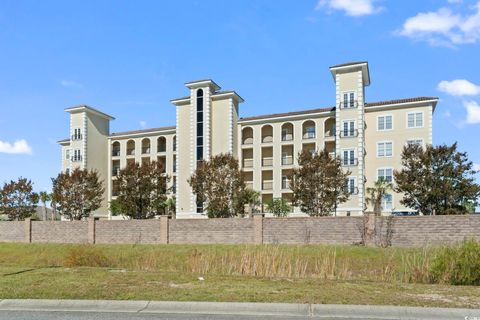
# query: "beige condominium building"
368,138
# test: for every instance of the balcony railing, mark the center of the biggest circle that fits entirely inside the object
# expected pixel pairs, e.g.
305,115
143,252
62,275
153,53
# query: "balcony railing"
115,172
330,133
287,137
145,150
267,184
267,139
162,148
349,162
351,190
76,137
130,152
288,160
267,162
116,153
349,104
309,135
247,140
348,133
248,163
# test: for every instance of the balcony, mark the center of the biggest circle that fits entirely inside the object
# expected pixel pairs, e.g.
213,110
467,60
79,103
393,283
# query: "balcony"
247,140
349,162
162,148
248,163
130,152
349,104
146,150
249,184
267,185
285,184
349,133
287,136
267,162
309,135
116,153
351,190
76,137
115,172
286,161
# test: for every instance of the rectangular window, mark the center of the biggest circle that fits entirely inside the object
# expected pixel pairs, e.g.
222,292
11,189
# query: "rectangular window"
348,100
285,183
76,155
385,174
415,119
351,185
77,134
349,157
384,123
415,142
387,202
384,149
67,154
349,128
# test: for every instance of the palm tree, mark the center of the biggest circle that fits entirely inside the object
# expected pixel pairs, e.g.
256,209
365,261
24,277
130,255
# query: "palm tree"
252,198
44,198
377,193
170,204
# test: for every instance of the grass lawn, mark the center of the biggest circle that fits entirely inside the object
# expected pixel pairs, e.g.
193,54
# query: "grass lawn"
294,274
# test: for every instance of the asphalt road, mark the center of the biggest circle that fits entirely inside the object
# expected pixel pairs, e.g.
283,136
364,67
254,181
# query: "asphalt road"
56,315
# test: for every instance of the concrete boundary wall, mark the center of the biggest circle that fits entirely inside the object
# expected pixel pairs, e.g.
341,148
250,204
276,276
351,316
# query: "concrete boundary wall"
369,230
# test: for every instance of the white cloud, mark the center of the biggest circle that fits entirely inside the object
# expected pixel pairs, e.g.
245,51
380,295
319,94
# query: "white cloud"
473,112
459,87
71,84
143,124
353,8
444,27
18,147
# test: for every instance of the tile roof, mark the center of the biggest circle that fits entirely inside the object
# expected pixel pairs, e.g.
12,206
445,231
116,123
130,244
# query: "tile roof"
398,101
142,131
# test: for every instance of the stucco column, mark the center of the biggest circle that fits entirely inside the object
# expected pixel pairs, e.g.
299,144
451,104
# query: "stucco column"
258,228
28,230
164,221
91,230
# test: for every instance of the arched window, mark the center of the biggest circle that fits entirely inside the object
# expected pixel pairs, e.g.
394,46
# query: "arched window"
130,148
287,131
161,144
267,133
308,129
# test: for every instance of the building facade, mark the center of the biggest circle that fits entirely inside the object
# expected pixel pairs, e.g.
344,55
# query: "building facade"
368,138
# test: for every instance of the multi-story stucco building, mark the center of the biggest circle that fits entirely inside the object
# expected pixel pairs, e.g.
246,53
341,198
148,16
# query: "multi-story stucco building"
368,137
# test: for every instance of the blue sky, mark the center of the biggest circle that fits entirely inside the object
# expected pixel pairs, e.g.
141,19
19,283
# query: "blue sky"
129,58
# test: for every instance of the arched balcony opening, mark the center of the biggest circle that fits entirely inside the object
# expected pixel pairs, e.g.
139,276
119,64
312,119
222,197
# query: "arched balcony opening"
247,135
267,133
116,149
161,144
308,129
287,132
146,146
130,148
330,129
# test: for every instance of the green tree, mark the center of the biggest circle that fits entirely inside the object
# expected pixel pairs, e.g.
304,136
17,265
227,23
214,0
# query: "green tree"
17,199
318,184
142,189
376,194
218,184
44,198
437,180
170,206
78,193
278,206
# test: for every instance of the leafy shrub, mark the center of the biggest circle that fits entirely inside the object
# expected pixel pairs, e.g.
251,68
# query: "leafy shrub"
458,265
86,256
